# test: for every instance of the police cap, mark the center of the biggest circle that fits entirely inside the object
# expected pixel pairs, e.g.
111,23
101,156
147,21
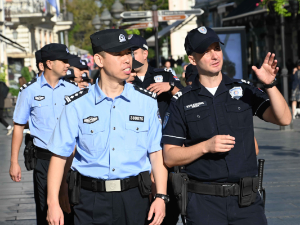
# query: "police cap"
191,72
85,77
199,39
55,51
70,74
138,41
110,40
38,56
78,63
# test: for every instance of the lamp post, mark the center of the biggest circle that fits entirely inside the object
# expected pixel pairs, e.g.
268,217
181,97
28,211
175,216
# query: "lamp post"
96,22
116,9
155,26
134,4
106,17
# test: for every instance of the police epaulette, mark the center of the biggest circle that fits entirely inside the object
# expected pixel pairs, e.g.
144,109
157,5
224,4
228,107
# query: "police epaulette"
72,82
242,81
76,95
161,70
28,84
146,92
181,92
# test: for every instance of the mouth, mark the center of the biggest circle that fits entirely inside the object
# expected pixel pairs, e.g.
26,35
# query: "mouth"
127,71
215,64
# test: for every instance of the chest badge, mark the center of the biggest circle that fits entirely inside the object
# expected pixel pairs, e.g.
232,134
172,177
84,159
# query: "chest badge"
158,78
236,92
90,119
136,118
39,98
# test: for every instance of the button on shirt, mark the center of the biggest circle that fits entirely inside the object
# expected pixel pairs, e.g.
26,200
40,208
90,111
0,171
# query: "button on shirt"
41,105
114,137
198,116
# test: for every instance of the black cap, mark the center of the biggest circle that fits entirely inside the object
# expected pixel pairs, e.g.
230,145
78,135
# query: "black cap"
70,74
191,72
38,56
85,77
110,40
138,41
78,63
55,51
199,39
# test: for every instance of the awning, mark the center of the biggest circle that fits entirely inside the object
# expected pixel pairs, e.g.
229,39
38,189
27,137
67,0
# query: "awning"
12,43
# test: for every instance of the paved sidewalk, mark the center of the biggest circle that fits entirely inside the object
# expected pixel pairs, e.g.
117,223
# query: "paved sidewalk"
280,149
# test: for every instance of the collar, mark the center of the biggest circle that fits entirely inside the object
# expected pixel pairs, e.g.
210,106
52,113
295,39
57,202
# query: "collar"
43,82
100,96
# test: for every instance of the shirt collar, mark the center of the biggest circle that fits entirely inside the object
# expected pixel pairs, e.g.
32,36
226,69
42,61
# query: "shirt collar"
43,81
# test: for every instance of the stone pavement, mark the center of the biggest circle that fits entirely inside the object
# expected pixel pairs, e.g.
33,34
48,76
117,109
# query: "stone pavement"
280,149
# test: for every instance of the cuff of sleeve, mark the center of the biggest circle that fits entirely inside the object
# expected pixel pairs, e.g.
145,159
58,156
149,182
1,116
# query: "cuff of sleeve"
172,140
60,152
154,148
20,120
262,108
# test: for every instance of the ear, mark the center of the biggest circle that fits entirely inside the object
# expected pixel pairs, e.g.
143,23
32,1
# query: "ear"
192,60
41,66
98,59
50,64
145,53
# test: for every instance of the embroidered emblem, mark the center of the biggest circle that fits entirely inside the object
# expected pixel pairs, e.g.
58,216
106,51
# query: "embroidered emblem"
90,119
236,92
176,78
166,119
158,78
122,38
202,30
39,98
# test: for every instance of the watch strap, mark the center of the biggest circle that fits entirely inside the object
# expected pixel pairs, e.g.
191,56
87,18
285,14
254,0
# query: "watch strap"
274,83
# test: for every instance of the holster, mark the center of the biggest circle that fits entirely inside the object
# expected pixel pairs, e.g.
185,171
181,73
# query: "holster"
29,155
74,185
144,183
179,183
248,191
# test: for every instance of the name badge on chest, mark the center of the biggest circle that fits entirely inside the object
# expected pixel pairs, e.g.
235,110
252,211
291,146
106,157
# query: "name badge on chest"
236,92
158,78
136,118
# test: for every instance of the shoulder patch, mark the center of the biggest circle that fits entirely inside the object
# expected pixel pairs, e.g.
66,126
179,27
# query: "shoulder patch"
76,95
158,70
240,81
72,82
181,92
28,84
146,92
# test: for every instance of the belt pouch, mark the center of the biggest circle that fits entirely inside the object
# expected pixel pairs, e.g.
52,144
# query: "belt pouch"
248,191
179,183
74,185
144,183
30,160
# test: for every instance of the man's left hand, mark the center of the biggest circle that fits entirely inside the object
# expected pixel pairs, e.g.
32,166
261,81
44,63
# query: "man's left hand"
267,72
159,208
159,88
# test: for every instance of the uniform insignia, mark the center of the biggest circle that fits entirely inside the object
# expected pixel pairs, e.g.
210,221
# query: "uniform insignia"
122,38
28,84
195,105
176,78
236,92
261,90
69,72
90,119
167,70
158,116
181,92
136,118
39,98
157,70
158,78
202,30
84,75
67,50
76,95
145,46
82,62
146,92
166,119
130,36
246,82
70,81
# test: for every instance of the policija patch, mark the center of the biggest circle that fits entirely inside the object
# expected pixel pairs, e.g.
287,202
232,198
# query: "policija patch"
39,98
90,119
194,105
136,118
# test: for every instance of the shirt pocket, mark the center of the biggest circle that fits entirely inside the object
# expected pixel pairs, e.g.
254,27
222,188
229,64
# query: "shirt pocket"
40,112
200,124
239,115
136,135
93,138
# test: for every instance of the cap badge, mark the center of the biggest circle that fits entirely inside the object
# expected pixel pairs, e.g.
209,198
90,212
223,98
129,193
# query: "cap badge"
69,72
145,46
84,75
158,78
67,50
122,38
236,92
202,30
130,36
82,62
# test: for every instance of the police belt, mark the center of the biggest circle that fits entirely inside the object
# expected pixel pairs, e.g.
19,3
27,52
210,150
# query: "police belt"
99,185
41,153
217,189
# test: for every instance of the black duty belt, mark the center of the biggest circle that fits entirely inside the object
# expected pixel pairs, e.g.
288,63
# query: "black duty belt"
99,185
41,153
218,189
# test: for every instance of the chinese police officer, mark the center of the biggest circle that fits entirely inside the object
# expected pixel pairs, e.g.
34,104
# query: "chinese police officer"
116,129
39,63
212,118
40,102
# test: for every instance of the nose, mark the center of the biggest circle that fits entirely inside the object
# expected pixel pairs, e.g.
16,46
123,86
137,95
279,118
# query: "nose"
213,54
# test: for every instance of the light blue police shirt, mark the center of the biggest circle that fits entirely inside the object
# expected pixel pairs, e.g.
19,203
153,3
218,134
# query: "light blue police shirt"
41,105
114,137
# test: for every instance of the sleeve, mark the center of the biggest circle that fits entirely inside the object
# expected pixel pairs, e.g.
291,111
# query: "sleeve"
174,78
22,109
260,102
155,130
174,127
63,138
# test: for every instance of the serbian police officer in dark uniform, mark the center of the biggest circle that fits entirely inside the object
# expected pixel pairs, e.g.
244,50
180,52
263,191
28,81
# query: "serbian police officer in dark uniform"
117,132
40,102
212,118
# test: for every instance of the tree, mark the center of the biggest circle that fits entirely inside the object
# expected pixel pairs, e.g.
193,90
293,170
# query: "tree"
280,6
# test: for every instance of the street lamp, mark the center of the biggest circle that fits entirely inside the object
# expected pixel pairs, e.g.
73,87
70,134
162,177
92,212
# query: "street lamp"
116,9
105,17
15,34
134,4
96,22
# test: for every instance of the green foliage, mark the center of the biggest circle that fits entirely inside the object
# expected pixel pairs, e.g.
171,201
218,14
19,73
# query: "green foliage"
186,59
26,74
133,31
178,70
279,6
151,53
3,73
14,91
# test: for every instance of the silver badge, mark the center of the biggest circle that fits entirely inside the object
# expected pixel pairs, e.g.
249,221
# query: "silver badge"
236,92
122,38
130,36
202,30
39,98
90,119
158,78
69,72
82,62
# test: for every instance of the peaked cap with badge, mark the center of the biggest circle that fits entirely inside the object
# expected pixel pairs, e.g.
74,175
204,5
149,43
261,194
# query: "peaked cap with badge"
55,51
78,63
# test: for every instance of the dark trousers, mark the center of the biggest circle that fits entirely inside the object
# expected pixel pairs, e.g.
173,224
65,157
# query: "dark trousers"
111,208
215,210
2,120
40,194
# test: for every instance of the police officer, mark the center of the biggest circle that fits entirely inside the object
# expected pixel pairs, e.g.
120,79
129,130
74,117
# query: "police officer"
39,63
190,74
40,102
117,132
160,81
212,118
79,67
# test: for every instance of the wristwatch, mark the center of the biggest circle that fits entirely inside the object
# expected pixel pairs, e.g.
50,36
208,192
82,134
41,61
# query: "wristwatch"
166,198
274,83
172,86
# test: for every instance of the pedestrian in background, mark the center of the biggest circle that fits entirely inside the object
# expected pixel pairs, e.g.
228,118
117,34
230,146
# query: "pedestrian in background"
295,89
3,94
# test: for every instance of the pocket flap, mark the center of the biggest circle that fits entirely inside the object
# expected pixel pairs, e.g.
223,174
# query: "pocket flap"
237,107
197,115
92,128
136,126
